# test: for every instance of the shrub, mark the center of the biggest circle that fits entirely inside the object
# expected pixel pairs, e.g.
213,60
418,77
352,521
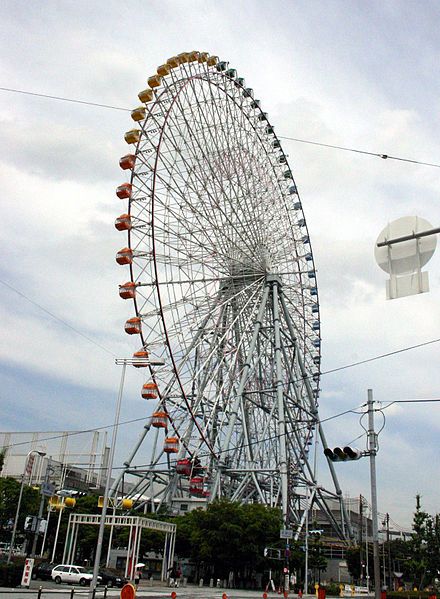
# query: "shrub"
10,574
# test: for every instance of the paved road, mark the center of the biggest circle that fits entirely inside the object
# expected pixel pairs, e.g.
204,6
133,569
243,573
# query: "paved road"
53,591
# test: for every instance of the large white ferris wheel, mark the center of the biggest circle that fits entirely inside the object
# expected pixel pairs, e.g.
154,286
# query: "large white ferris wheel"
223,283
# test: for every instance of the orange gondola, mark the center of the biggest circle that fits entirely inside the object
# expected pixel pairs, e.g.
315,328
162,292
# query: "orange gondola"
149,391
123,222
127,162
159,420
127,290
124,191
141,358
171,445
133,326
124,256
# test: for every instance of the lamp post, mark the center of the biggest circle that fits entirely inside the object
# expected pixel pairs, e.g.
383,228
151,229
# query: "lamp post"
17,513
49,471
123,361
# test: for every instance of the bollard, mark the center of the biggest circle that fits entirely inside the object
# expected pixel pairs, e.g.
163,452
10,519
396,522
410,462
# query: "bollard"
40,588
201,582
105,591
151,581
173,595
224,596
72,592
211,583
264,595
218,583
185,581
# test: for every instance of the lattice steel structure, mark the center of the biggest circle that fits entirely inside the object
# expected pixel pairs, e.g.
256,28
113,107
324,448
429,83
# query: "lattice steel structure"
224,288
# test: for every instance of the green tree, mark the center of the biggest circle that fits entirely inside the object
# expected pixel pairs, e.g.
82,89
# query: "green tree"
2,458
418,563
228,536
9,493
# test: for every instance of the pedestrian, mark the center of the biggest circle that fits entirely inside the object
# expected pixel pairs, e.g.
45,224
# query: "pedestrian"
173,576
137,577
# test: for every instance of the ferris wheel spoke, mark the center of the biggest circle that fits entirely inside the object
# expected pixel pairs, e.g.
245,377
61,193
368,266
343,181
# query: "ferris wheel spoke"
225,289
225,138
215,176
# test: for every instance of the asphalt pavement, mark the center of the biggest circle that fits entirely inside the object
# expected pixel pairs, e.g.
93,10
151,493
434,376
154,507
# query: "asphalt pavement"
64,591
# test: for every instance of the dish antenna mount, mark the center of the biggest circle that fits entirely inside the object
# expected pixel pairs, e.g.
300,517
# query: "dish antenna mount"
402,249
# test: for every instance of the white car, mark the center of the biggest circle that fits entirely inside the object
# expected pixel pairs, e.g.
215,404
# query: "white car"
72,575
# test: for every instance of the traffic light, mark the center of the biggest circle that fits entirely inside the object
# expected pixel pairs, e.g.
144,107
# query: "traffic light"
316,533
343,454
30,523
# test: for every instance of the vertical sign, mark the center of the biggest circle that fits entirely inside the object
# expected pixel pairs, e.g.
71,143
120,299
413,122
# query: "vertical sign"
27,572
30,464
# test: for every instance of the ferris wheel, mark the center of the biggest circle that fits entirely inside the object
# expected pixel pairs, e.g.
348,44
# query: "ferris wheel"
222,278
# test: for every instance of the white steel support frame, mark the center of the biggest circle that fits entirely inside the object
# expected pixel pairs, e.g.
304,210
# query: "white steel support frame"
136,525
280,399
226,293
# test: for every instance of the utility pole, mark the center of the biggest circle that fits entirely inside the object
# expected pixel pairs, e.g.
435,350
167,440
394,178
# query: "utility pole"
361,563
390,576
49,471
372,450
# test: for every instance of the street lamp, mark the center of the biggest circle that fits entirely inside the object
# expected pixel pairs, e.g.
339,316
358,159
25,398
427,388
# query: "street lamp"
139,362
14,530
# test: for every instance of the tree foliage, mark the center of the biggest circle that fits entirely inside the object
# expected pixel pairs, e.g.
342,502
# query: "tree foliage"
9,493
417,558
228,537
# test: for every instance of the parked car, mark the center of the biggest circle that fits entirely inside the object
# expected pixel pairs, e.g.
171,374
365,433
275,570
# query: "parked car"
43,571
112,578
72,575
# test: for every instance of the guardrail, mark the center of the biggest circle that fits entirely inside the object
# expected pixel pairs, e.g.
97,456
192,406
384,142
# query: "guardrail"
41,592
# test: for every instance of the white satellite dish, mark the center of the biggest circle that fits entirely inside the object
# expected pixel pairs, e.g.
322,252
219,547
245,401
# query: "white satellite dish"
402,249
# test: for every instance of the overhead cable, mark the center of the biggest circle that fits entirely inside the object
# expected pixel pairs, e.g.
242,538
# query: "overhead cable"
296,139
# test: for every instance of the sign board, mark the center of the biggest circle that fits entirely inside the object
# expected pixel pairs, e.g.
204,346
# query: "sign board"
27,572
404,258
128,591
47,489
286,533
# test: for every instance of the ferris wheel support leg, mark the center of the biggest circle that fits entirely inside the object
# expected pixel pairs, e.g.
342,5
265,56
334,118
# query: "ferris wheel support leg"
243,380
280,398
314,410
127,463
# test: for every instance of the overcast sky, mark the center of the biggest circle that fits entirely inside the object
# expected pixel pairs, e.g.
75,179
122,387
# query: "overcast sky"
362,74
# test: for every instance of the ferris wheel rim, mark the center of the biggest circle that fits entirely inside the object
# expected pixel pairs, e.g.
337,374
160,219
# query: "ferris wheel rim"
153,237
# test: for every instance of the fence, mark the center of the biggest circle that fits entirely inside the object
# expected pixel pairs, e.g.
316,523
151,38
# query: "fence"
41,593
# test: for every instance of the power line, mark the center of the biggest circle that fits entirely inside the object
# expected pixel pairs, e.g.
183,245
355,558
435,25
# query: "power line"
380,356
60,98
287,383
57,318
110,426
73,433
432,400
296,139
345,149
